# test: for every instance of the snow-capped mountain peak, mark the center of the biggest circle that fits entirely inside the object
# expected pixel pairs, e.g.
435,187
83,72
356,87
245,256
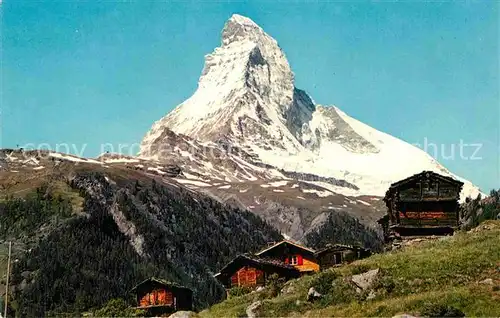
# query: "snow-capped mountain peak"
246,99
245,91
239,28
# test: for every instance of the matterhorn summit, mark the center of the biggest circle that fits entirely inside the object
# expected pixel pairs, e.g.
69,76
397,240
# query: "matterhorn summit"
246,100
245,93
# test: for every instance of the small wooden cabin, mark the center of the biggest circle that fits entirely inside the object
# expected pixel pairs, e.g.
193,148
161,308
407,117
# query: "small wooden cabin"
337,254
423,204
158,296
300,257
251,271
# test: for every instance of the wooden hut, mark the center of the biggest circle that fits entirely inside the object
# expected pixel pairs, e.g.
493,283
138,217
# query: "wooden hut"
251,271
158,296
423,204
288,252
337,254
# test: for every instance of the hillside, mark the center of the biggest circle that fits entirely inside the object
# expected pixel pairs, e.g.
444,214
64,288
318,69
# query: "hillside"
85,232
438,277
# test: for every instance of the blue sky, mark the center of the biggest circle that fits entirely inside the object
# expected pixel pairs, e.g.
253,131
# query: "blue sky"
92,73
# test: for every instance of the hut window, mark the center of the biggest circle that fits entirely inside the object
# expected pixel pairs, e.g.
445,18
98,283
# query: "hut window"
296,260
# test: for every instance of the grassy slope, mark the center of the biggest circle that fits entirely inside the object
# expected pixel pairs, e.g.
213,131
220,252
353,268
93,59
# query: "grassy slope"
445,271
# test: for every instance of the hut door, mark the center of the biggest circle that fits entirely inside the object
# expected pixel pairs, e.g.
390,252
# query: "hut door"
338,258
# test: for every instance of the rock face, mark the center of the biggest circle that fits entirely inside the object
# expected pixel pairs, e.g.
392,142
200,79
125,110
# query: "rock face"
473,211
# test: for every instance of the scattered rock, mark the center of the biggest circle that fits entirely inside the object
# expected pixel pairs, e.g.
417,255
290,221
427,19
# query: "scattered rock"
446,237
22,286
416,240
404,316
416,282
396,246
487,281
260,288
288,289
313,294
25,274
182,314
483,227
298,302
371,295
251,309
365,280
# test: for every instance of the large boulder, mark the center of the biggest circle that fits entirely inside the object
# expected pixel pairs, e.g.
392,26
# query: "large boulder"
252,308
365,281
183,314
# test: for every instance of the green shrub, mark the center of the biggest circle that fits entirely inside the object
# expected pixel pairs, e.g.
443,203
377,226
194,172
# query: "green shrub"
239,291
275,284
441,310
360,269
340,292
385,283
343,292
323,282
333,288
282,308
118,308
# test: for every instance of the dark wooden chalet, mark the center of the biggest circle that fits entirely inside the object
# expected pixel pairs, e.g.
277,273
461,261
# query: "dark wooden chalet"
158,296
423,204
337,254
288,252
251,271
